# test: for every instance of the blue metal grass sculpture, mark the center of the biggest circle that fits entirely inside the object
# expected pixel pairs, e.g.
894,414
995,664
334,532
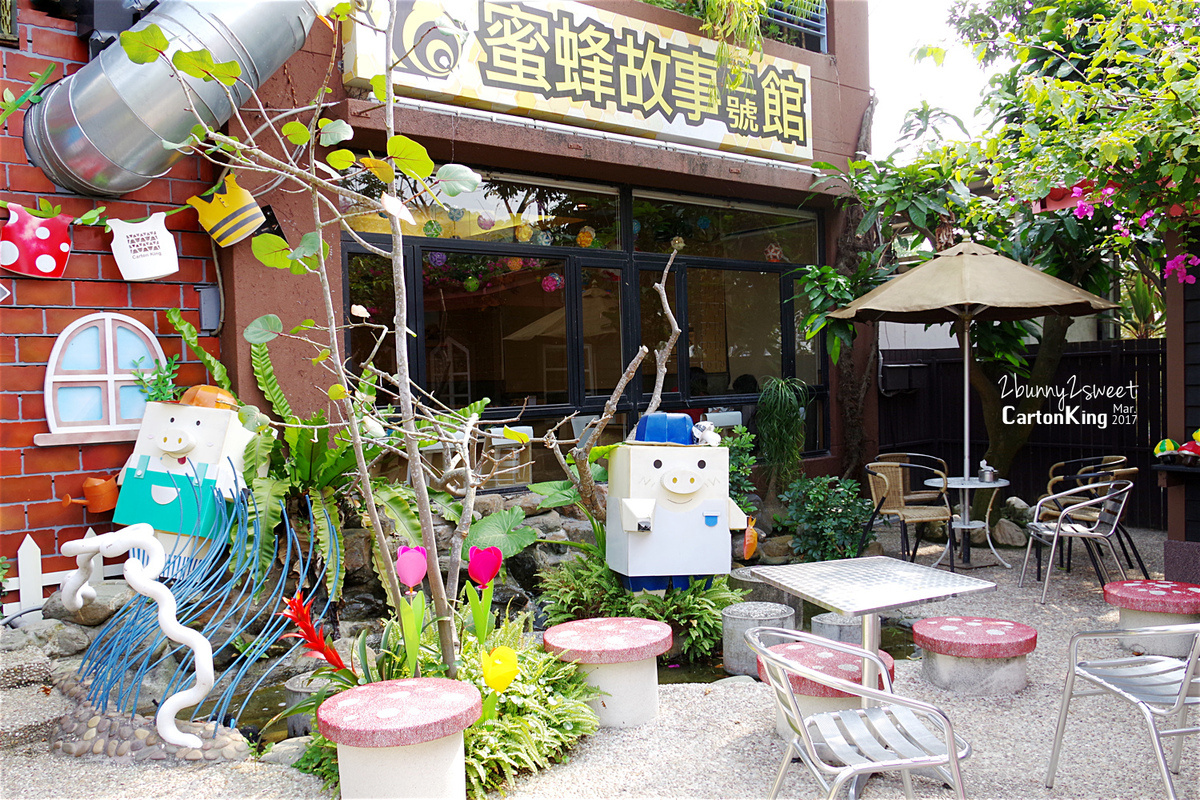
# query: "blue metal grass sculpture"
229,590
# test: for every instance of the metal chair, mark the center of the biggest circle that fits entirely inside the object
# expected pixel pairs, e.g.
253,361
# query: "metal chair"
915,494
1160,688
1109,500
887,480
1123,537
895,734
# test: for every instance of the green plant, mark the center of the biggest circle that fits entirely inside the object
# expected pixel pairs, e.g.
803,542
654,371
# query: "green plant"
5,565
741,465
1142,314
320,759
158,384
826,516
586,587
780,416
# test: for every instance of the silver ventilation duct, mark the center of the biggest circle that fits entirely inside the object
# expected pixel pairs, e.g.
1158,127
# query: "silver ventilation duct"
100,131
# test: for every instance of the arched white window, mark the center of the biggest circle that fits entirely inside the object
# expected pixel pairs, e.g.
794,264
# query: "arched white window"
91,395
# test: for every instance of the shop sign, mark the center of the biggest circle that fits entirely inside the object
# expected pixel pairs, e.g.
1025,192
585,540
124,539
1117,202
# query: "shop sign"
571,63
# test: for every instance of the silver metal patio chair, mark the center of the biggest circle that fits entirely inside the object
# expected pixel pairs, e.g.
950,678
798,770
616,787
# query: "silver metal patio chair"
894,734
1106,500
1160,688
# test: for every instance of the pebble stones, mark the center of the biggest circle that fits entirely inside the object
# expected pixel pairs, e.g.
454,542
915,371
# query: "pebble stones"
86,731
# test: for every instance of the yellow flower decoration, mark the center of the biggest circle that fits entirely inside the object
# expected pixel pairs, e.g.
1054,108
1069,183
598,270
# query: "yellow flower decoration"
500,668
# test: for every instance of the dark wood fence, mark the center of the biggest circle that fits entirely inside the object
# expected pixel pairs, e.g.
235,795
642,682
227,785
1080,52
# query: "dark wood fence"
920,410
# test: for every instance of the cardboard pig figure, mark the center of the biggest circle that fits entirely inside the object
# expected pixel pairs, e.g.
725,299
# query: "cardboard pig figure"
669,510
186,465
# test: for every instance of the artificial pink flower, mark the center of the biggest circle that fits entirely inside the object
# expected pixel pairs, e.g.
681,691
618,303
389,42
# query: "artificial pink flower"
411,566
484,564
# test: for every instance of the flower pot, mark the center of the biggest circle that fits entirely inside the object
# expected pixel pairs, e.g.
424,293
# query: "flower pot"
144,250
35,246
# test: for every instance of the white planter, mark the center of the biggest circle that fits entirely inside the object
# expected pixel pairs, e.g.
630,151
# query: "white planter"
144,250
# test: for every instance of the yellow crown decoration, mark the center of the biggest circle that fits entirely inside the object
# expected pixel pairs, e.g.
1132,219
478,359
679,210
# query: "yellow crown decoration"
231,215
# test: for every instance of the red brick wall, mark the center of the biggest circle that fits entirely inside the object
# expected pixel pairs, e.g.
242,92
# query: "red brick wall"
32,478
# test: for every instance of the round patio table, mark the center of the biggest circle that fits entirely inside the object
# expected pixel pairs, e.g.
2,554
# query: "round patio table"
965,524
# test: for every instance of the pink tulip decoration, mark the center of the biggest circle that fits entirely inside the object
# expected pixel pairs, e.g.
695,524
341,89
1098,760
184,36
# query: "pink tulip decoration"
484,565
411,565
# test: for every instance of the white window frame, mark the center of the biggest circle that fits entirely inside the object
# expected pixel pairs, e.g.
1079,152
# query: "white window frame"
110,429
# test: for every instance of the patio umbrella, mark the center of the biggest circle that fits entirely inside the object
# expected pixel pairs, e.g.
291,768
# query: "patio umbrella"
970,282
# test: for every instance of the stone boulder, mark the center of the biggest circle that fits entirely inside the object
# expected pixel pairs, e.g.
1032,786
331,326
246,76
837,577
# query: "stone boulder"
110,597
1009,533
56,638
776,550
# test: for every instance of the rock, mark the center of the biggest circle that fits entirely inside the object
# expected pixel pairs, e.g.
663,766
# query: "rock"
1009,533
350,630
1017,503
443,535
110,596
873,549
286,752
776,550
358,547
545,521
14,639
488,504
363,606
153,685
578,531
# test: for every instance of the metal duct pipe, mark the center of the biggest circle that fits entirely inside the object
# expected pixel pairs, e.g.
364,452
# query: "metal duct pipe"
100,131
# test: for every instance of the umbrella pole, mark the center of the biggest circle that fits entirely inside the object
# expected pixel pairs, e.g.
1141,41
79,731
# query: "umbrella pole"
965,325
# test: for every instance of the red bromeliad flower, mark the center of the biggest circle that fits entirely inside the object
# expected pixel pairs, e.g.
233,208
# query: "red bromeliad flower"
314,639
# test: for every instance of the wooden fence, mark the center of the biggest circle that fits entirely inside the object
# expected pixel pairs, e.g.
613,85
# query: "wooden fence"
30,582
920,410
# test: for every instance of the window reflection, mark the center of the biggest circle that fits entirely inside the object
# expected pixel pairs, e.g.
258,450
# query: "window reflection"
602,358
733,330
746,234
656,329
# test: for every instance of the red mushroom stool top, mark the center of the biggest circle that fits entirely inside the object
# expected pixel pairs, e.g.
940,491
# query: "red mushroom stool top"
1162,597
974,637
396,713
608,640
834,663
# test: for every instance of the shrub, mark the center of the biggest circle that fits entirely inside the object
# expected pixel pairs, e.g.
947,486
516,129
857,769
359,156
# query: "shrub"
586,587
741,465
826,516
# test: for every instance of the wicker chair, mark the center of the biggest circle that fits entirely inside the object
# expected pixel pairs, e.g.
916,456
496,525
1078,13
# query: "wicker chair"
887,480
915,493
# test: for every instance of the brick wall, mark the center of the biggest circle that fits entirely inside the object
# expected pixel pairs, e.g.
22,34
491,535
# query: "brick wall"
33,478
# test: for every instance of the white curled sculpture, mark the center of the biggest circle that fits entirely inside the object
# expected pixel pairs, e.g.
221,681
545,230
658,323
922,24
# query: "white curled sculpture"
76,593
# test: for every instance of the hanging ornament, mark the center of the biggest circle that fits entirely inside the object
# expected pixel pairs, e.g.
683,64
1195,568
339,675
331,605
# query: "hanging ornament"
544,238
35,246
774,252
552,282
471,283
587,234
524,232
676,242
703,223
513,263
231,215
437,258
144,250
455,213
432,229
637,227
485,222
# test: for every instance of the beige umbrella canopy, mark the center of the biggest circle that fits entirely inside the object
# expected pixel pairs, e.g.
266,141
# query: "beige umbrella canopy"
965,283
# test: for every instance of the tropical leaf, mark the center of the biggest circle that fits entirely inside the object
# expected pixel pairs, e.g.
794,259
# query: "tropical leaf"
264,376
266,508
273,251
258,453
263,329
409,157
296,132
340,159
396,502
199,64
189,334
556,493
145,45
501,530
326,522
382,567
334,132
455,179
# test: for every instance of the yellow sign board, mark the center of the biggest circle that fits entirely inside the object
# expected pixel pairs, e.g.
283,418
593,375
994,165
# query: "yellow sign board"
567,62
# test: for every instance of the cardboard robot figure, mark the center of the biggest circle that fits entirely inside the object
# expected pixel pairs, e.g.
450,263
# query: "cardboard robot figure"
186,465
669,510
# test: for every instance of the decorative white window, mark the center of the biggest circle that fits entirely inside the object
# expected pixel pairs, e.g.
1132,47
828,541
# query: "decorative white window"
91,394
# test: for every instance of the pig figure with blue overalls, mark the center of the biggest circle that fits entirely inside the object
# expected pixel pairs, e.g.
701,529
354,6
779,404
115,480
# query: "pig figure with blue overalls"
669,510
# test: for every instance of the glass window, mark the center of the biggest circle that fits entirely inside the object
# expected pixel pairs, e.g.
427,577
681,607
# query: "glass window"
507,210
495,326
733,330
808,351
744,233
603,363
656,330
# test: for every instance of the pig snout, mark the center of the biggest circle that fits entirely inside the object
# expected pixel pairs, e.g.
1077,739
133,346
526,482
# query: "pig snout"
681,481
177,441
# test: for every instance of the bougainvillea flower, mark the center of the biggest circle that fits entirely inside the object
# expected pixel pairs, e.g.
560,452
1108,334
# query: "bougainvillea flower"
500,668
411,565
313,637
484,564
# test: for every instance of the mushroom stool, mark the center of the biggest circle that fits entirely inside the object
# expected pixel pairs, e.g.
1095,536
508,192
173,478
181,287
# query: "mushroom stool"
401,739
817,698
618,656
974,655
1144,604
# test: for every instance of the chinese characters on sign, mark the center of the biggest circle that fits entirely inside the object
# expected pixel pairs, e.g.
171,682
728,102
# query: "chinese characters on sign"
580,65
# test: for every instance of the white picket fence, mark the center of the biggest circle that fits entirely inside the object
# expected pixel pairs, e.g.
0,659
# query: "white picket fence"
30,580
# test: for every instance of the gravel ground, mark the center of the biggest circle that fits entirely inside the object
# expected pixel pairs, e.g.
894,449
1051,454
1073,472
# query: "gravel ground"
718,740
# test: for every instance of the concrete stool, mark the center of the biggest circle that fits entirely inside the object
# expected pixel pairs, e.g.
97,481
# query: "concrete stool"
838,627
817,698
1144,604
741,617
401,739
618,657
974,655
